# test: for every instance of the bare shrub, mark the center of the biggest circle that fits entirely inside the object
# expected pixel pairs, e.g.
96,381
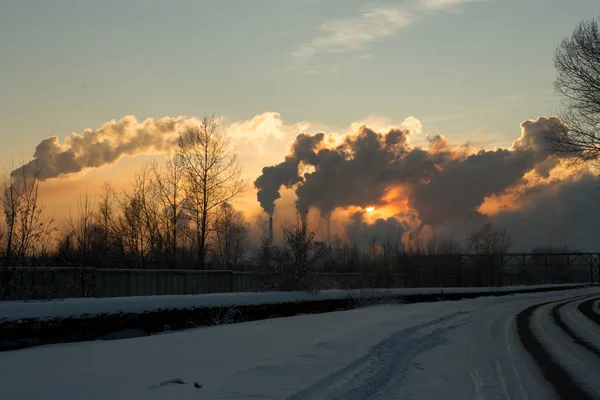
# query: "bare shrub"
223,315
293,266
25,228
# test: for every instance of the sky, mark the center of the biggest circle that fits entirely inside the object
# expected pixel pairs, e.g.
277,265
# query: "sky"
471,70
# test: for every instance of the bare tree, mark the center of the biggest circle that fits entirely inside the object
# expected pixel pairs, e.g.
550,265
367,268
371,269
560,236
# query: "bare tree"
213,176
169,187
144,191
414,247
375,250
489,240
449,246
489,244
431,245
392,247
82,238
24,224
231,236
105,219
131,226
144,222
345,254
577,61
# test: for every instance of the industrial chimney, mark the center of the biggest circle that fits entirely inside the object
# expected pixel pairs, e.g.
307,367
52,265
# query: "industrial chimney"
270,229
328,227
302,210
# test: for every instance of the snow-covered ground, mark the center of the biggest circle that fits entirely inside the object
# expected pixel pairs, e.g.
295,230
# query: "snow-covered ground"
466,349
65,308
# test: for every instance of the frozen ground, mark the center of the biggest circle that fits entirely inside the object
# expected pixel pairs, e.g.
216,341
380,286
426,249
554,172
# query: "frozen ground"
465,349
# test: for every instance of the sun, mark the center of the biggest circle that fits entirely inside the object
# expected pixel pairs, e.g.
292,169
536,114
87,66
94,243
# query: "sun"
370,209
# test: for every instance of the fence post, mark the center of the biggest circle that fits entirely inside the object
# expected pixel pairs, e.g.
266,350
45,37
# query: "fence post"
501,270
130,283
596,277
435,277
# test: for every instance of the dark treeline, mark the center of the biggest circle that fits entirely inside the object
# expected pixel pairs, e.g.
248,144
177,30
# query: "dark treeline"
394,262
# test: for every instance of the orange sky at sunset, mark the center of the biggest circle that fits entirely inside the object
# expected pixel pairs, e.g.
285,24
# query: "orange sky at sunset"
266,139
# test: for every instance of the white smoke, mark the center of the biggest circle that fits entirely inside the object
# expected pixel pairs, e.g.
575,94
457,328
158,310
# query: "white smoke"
103,146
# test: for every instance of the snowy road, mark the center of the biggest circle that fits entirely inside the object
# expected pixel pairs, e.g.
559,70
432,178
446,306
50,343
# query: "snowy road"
469,349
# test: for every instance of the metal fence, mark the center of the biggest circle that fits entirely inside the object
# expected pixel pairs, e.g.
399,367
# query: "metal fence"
426,271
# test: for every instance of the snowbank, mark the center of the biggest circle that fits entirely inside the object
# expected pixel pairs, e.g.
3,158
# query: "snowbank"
15,311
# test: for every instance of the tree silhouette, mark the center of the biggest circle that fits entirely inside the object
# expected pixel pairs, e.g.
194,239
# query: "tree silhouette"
577,61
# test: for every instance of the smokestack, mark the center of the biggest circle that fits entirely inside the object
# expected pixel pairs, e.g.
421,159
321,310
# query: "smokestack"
416,232
328,228
270,229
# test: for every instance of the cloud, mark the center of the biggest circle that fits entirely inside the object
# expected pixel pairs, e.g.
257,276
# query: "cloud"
261,129
354,33
351,34
440,5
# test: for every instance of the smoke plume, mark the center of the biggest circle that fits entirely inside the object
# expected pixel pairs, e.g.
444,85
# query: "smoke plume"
443,182
103,146
286,172
562,212
462,184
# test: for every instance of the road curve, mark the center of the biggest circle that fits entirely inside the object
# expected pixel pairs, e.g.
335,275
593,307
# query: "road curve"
587,309
497,349
576,337
558,376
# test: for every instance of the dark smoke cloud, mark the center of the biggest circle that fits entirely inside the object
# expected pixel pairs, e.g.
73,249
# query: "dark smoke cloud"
560,213
444,182
356,172
286,172
462,184
104,146
362,233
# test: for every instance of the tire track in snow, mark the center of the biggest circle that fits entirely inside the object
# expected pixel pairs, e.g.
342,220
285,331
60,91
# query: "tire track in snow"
513,364
587,309
478,384
500,374
554,373
384,365
569,331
